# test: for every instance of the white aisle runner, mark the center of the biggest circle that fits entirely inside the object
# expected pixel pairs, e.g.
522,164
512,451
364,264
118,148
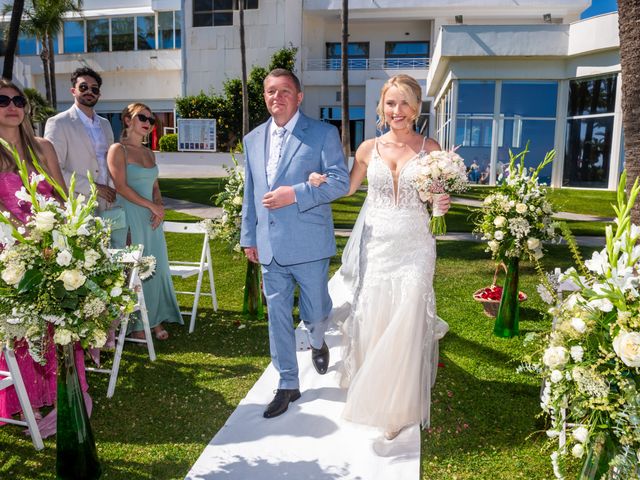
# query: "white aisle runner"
310,441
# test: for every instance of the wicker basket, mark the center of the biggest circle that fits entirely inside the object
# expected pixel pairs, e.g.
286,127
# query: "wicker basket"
491,306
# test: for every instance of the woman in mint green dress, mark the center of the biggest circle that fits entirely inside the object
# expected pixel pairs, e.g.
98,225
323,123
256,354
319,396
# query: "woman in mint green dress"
135,176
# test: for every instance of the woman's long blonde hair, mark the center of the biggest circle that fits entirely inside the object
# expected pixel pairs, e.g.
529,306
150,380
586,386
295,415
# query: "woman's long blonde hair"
27,136
129,112
411,90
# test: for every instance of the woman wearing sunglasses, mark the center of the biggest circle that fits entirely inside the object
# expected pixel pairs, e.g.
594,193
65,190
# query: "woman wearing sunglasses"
135,176
16,130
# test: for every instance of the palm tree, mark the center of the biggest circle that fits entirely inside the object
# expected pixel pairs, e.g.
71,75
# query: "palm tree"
12,39
243,60
44,19
344,88
628,18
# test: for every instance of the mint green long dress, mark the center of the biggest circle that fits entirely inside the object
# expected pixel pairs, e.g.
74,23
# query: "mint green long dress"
159,294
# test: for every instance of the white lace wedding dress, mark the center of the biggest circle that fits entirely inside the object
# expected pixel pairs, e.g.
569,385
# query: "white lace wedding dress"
385,290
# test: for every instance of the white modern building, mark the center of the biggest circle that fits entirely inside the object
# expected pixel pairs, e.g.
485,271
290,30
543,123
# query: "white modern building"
496,73
135,45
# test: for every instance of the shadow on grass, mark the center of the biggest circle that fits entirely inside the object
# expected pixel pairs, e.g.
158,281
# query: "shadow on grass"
241,469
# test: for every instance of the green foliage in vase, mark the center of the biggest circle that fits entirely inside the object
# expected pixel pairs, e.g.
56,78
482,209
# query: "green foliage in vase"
516,217
590,361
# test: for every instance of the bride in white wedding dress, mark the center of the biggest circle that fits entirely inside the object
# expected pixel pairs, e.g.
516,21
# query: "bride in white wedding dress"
385,285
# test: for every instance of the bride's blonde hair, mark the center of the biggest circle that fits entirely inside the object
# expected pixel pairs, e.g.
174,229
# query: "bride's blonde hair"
412,92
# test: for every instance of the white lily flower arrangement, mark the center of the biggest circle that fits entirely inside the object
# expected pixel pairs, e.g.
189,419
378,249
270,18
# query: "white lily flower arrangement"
517,217
56,273
227,226
595,348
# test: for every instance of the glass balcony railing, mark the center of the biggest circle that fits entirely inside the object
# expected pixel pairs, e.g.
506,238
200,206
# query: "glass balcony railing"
319,64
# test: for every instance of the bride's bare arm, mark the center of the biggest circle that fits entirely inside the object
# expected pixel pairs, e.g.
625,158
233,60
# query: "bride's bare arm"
359,170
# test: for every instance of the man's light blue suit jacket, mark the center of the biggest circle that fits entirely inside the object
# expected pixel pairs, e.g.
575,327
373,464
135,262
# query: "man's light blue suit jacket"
301,232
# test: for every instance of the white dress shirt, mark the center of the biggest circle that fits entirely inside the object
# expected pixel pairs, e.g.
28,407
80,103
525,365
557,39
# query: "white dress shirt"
274,157
99,142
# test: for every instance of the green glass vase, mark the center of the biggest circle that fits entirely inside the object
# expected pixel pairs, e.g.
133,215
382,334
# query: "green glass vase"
253,306
600,453
76,455
507,323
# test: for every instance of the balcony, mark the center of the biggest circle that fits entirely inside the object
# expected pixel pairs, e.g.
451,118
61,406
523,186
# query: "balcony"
321,64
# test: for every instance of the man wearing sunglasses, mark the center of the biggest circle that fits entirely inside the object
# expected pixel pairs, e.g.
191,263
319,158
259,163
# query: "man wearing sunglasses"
81,139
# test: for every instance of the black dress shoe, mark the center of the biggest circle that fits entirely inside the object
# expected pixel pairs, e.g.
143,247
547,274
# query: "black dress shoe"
320,358
281,401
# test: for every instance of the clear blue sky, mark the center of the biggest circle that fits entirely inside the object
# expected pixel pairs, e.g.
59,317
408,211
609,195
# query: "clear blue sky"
599,7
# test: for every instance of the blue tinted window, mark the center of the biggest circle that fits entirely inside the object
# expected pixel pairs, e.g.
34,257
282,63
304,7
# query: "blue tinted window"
535,99
122,34
98,35
406,49
165,30
55,45
146,33
73,31
476,96
592,96
516,133
178,27
26,45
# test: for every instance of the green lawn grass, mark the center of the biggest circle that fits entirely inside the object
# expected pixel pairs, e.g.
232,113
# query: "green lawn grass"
164,413
198,190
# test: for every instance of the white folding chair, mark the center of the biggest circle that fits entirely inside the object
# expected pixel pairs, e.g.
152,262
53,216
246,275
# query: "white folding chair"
129,258
13,377
566,286
186,269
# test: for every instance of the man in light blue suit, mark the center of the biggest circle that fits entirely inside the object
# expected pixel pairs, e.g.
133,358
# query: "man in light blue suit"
287,224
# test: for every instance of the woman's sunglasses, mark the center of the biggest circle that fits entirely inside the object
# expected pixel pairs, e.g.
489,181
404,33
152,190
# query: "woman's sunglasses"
83,87
143,118
19,101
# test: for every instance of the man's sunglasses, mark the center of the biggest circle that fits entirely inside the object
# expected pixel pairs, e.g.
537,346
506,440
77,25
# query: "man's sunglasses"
143,118
83,87
19,101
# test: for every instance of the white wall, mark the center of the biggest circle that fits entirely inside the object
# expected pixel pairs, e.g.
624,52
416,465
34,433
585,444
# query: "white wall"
213,53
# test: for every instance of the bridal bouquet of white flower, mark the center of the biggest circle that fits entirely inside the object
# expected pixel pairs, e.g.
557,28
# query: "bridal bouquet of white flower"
590,361
517,217
56,270
440,172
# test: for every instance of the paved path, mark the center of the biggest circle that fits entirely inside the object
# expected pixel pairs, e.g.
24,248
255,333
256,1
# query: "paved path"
206,211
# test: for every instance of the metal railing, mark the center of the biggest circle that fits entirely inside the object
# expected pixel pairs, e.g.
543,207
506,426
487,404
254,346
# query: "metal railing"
320,64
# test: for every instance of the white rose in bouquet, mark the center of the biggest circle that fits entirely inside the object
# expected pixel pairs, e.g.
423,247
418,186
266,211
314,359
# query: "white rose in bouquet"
13,273
90,258
581,434
627,347
521,208
45,221
62,336
577,450
555,357
64,258
499,221
72,279
578,325
99,339
533,243
498,235
577,353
